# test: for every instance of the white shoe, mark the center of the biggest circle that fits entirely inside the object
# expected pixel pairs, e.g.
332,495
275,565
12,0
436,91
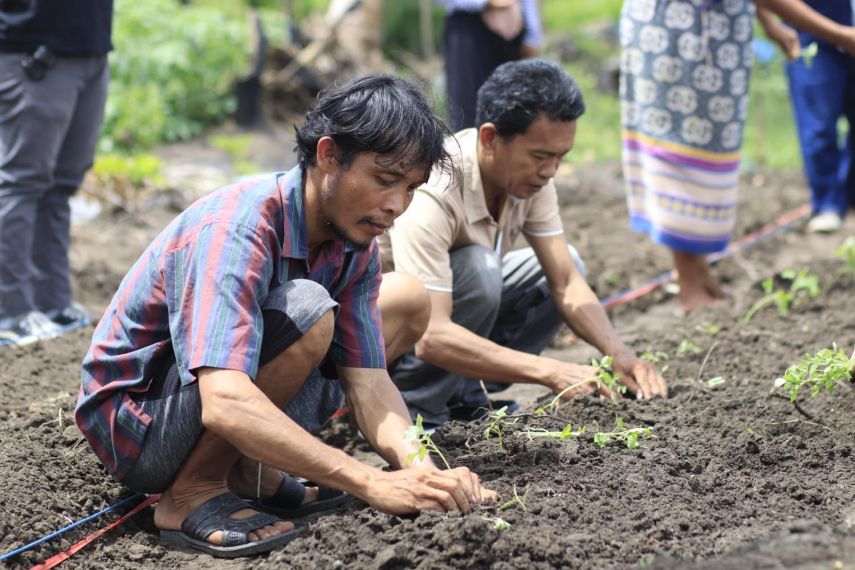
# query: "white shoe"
29,328
825,223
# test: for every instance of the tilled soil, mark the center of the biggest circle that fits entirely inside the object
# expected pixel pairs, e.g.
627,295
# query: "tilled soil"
733,476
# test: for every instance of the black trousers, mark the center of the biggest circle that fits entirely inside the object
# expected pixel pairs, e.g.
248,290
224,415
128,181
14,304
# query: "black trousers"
471,53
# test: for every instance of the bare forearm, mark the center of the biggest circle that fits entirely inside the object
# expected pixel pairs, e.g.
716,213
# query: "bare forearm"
805,18
587,318
383,418
458,350
261,431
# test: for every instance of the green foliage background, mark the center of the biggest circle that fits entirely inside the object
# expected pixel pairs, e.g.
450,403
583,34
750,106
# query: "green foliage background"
174,65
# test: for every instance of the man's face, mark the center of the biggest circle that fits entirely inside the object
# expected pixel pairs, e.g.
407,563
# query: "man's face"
361,200
525,163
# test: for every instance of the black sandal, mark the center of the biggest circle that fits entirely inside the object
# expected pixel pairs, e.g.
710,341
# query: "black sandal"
214,515
287,501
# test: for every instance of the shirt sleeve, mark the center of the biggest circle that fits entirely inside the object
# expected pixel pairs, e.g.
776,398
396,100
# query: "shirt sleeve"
213,286
463,5
543,217
358,337
422,239
533,30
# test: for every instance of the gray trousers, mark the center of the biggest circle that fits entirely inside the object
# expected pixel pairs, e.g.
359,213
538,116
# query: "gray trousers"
48,133
176,410
506,300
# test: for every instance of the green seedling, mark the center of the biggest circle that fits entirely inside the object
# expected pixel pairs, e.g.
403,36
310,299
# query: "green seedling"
656,358
688,345
808,53
713,382
802,284
566,433
606,376
498,523
611,278
846,250
417,436
711,329
825,369
498,423
517,500
628,436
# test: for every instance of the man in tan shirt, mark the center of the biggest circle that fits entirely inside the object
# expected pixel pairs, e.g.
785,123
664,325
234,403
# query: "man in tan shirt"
494,310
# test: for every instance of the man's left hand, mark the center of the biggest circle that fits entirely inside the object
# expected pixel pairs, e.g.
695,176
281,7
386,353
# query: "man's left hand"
639,376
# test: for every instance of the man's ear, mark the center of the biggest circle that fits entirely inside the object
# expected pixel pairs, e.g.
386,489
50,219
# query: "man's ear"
487,137
327,154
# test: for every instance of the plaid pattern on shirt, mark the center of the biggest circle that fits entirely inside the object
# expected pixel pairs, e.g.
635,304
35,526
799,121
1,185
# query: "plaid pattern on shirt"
199,287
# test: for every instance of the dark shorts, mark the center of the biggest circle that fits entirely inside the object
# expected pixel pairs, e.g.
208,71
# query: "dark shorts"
176,410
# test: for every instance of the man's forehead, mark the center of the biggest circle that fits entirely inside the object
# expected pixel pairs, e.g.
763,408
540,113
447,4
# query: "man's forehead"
406,165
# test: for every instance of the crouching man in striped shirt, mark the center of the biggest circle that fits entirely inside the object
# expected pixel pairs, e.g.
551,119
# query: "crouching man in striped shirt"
214,358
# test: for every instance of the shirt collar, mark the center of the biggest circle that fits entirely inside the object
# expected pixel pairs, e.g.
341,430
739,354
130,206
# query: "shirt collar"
474,203
296,240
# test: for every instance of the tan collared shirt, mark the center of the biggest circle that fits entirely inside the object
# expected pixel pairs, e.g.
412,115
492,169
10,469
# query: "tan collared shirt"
444,217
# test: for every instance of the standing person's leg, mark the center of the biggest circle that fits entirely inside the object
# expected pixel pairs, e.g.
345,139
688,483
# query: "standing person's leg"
468,63
34,118
52,288
849,113
817,97
477,290
698,286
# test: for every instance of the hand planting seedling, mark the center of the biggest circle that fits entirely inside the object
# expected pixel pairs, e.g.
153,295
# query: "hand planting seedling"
606,377
802,284
825,369
621,433
417,436
688,345
846,250
498,422
655,358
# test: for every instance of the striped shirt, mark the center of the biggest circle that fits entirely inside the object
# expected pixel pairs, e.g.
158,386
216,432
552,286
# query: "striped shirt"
198,289
533,31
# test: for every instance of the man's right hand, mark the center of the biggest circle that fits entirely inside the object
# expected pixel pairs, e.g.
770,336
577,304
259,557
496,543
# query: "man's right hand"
579,378
426,489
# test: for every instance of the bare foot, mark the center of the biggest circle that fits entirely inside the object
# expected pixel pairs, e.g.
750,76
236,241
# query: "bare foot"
698,287
173,507
243,481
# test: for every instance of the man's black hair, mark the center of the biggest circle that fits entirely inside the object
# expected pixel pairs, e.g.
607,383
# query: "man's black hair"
376,113
518,91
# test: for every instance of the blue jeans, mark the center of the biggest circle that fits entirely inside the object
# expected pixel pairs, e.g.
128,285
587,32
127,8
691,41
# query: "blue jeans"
821,95
506,300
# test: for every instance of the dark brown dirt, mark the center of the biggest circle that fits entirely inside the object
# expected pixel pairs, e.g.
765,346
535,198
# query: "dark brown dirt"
733,476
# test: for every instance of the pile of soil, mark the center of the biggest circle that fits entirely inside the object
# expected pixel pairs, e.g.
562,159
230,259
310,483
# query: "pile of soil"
733,475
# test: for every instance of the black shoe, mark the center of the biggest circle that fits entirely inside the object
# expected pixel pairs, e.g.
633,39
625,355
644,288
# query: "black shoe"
71,317
27,329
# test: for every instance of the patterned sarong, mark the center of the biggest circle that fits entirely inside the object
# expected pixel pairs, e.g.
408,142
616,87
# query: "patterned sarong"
685,70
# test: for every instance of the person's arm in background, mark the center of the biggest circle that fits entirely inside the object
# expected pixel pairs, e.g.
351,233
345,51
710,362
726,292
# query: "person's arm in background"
533,38
809,20
780,33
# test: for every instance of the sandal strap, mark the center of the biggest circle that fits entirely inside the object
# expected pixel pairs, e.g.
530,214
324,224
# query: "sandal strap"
214,514
290,493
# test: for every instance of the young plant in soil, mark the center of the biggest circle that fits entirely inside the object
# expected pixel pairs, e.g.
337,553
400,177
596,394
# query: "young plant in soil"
606,376
628,436
656,358
846,251
499,420
566,433
823,370
498,523
517,500
802,284
417,436
688,345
